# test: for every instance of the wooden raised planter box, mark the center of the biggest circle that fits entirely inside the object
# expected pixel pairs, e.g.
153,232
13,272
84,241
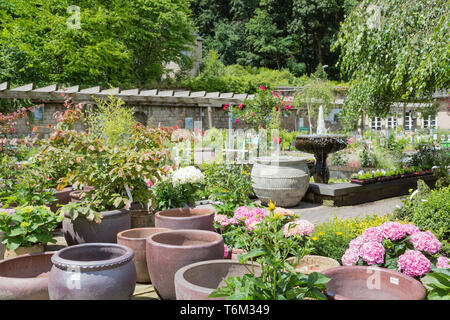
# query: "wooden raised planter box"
389,178
345,194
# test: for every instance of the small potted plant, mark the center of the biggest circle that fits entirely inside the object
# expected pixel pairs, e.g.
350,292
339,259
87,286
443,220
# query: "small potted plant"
27,229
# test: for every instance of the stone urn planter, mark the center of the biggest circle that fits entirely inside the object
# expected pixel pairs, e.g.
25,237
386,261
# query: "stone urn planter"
25,277
185,218
136,240
371,283
310,263
284,180
37,248
198,280
81,230
93,271
169,251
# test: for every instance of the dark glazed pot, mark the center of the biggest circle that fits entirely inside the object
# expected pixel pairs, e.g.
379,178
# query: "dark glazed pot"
81,230
185,218
62,198
136,240
198,280
25,277
169,251
93,271
371,283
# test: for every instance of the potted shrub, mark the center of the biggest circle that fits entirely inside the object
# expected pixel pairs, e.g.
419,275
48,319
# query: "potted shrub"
27,229
118,177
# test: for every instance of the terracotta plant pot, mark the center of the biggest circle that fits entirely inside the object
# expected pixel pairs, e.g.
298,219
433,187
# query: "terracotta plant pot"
37,248
310,263
81,230
136,240
371,283
171,250
93,271
62,198
142,219
25,277
185,218
198,280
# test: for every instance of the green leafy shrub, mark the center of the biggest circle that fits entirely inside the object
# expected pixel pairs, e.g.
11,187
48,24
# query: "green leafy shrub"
27,226
437,284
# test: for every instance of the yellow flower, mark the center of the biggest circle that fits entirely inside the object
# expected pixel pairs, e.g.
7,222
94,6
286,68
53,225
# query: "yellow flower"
320,234
314,238
339,233
271,206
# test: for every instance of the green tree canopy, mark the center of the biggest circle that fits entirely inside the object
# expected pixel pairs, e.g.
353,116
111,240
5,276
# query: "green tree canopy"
394,50
118,42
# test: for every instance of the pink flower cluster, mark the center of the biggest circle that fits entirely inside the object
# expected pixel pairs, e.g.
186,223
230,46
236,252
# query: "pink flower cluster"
369,247
414,263
251,218
299,226
425,241
443,262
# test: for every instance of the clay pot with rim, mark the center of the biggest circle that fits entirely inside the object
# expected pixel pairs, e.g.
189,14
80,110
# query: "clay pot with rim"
371,283
25,277
198,280
136,240
311,263
169,251
141,217
81,230
185,218
92,271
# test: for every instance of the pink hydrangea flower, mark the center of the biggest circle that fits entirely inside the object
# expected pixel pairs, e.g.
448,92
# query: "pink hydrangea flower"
372,252
356,243
301,227
393,230
223,220
443,262
425,241
350,257
258,213
373,234
241,213
410,228
283,212
226,251
413,263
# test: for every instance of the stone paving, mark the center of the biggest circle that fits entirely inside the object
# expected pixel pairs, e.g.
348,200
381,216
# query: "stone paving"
314,213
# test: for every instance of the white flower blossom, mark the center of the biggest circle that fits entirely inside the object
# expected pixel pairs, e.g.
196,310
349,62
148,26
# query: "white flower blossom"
187,175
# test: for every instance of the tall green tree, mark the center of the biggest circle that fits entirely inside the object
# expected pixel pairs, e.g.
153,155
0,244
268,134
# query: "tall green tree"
394,51
115,42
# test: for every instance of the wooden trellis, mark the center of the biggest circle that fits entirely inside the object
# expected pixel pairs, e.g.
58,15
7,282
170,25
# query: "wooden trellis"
56,94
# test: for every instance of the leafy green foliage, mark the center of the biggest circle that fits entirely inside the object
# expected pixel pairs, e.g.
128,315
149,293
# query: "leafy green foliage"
168,196
118,42
393,51
437,283
27,226
231,184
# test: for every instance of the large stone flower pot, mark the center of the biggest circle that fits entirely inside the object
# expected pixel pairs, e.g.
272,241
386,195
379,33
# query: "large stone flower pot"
93,271
136,240
25,277
371,283
81,230
169,251
185,218
284,180
198,280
